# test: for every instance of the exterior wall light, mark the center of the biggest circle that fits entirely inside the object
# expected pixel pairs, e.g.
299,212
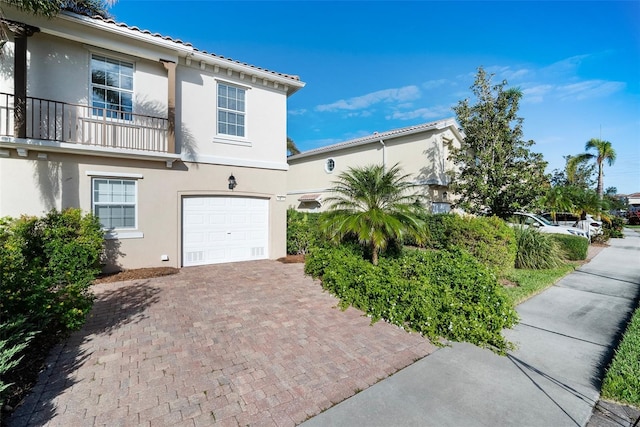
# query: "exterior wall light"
232,182
444,195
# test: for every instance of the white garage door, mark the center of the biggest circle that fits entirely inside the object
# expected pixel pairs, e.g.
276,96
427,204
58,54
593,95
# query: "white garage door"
224,229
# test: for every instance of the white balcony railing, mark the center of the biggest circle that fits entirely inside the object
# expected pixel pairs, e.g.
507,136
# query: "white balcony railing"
81,124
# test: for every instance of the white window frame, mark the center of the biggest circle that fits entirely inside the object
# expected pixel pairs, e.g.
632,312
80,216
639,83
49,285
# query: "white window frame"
117,114
135,204
242,113
331,161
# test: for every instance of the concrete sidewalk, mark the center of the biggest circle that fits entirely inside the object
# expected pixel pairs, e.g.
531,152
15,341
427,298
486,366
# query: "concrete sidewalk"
565,338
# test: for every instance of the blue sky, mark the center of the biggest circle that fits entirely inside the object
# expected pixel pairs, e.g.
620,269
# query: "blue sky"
377,65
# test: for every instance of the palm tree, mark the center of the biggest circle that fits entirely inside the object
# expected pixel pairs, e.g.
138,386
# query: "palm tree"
375,205
605,152
291,147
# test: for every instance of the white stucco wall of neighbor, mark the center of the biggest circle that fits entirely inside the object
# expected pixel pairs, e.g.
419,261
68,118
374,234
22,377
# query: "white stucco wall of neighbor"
422,155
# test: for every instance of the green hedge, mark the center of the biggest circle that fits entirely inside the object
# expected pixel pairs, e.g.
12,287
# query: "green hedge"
46,267
445,293
302,231
573,248
489,239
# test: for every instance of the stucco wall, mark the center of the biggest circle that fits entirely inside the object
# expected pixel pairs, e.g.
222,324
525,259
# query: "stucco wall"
423,156
265,118
32,186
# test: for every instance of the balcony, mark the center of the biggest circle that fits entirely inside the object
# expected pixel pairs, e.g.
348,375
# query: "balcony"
54,124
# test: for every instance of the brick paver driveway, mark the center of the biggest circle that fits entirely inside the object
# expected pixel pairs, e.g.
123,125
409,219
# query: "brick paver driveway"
253,343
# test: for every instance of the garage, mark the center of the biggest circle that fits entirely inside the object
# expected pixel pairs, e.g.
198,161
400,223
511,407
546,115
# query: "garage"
224,229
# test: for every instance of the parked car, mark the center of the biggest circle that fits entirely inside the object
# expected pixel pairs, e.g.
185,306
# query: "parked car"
543,225
567,219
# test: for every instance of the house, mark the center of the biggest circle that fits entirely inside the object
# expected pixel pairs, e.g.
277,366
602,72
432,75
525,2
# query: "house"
180,153
421,151
634,201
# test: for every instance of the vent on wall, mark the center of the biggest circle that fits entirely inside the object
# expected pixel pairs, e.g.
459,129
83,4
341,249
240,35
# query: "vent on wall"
257,251
195,256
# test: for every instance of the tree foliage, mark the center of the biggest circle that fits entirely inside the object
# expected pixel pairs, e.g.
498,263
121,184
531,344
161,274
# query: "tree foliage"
604,153
578,172
495,168
292,148
375,206
51,8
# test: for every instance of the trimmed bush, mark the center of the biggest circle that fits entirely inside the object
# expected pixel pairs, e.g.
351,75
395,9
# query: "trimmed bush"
47,267
489,239
573,248
302,231
445,293
536,250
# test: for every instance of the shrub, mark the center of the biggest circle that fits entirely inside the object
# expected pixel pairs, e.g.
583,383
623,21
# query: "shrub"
445,293
489,239
573,248
47,267
302,231
536,250
14,338
613,229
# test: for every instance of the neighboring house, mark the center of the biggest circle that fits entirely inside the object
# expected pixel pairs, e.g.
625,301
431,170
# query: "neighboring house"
179,152
421,151
634,201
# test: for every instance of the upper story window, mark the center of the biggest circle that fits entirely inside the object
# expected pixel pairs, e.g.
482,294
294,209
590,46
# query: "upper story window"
115,202
111,88
231,110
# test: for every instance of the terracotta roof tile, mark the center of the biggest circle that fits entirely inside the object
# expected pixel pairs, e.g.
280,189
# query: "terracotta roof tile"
178,41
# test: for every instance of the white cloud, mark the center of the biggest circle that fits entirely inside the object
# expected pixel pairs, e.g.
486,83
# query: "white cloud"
422,113
403,94
567,65
432,84
298,112
508,73
535,94
588,89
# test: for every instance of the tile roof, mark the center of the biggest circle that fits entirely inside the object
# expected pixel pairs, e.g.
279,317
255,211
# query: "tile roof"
377,136
180,42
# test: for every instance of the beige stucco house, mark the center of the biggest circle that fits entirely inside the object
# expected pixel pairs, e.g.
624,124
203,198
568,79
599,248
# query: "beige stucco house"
421,151
179,152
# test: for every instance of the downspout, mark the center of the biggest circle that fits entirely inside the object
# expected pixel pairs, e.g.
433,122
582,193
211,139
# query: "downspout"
384,156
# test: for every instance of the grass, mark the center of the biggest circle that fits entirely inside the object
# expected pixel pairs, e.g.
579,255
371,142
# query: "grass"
532,282
622,380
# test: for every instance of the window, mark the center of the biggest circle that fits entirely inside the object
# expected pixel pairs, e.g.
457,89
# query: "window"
111,88
329,165
114,202
231,110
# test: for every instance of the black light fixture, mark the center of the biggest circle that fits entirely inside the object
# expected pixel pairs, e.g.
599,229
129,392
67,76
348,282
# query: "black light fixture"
444,195
232,182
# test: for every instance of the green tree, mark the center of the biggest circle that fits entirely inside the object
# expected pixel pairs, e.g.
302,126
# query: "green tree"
495,169
604,153
291,147
577,172
51,8
375,206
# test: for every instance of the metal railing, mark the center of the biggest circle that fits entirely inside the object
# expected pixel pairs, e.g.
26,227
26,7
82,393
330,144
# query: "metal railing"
49,120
